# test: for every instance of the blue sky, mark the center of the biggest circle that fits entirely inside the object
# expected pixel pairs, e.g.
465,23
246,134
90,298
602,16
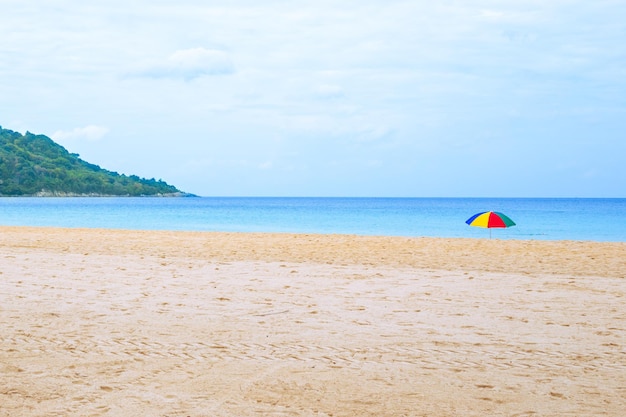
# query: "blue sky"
328,98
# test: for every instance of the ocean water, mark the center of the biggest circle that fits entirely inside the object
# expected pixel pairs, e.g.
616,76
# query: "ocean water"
536,218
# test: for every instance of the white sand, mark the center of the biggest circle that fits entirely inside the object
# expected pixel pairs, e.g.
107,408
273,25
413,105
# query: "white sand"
118,323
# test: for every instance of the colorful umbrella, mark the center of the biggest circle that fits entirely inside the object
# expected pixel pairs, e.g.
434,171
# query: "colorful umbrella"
489,220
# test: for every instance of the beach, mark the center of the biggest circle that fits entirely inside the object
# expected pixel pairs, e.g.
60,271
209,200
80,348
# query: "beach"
99,322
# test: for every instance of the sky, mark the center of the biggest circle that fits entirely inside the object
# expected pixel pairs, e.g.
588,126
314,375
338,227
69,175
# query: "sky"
375,98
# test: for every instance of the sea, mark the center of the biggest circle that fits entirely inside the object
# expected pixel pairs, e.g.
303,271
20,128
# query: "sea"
588,219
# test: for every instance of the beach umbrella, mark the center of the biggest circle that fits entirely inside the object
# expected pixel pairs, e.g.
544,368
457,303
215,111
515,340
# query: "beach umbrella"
490,220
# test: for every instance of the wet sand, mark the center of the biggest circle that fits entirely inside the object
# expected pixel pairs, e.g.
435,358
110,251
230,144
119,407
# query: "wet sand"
136,323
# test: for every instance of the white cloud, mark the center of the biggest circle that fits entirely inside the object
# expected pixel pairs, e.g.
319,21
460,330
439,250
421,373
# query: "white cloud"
492,14
329,91
89,133
189,64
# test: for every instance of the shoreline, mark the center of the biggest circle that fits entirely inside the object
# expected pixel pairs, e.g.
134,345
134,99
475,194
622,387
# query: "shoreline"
491,255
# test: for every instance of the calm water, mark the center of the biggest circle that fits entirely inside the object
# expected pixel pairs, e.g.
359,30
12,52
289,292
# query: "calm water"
546,219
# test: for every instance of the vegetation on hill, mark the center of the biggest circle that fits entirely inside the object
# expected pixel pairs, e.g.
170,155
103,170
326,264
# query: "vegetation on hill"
36,165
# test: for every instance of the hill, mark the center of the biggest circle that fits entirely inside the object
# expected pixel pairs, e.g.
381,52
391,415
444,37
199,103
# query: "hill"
34,165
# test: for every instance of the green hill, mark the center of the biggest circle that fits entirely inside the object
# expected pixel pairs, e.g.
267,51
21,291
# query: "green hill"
36,165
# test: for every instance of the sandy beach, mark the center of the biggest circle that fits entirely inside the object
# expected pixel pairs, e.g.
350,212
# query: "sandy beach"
141,323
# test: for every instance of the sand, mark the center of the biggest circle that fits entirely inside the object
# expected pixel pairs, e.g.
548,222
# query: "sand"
128,323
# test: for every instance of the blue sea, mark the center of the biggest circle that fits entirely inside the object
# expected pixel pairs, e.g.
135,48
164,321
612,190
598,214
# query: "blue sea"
536,218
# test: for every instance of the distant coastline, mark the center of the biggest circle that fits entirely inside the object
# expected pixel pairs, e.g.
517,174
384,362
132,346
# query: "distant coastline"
45,193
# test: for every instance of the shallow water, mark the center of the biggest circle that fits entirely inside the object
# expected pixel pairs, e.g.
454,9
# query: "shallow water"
536,218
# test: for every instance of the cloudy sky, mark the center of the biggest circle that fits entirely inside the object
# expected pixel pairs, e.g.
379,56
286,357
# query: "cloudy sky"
470,98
